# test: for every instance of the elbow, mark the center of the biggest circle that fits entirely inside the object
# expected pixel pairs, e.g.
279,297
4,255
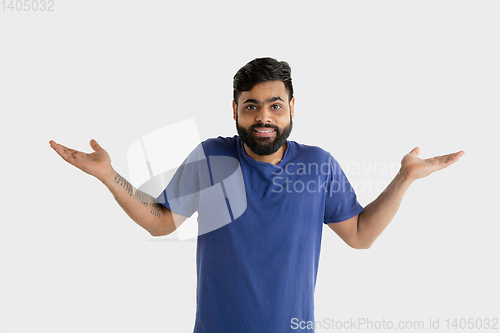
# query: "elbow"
361,247
158,233
162,227
365,241
362,244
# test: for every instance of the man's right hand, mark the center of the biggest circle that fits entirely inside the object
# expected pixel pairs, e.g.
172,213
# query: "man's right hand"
97,164
144,209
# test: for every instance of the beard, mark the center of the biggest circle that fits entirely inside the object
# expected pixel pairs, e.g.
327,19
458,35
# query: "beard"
263,146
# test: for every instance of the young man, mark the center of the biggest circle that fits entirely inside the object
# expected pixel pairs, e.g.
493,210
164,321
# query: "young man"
258,272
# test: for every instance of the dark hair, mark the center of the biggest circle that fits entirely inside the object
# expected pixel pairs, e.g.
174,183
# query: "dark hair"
262,70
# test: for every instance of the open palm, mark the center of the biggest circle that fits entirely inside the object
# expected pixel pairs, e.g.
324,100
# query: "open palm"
416,167
97,164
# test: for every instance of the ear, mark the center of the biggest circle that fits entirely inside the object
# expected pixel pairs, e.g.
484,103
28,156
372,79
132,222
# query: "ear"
292,106
235,109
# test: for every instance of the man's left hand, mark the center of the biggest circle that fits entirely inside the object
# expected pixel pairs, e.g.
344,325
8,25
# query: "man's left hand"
414,167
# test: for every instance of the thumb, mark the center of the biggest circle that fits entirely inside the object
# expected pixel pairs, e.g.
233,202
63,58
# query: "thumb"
95,145
415,151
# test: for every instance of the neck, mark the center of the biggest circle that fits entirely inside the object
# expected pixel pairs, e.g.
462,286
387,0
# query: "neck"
272,159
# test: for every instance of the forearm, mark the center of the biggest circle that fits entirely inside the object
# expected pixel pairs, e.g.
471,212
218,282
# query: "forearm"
379,213
142,208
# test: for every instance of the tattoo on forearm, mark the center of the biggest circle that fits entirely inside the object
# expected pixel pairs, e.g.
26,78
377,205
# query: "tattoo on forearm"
155,209
140,196
124,183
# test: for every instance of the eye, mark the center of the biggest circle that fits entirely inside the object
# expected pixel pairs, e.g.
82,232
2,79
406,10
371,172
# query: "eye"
276,106
250,107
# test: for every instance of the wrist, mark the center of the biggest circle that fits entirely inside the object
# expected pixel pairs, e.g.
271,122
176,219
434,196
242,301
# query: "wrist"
108,176
404,177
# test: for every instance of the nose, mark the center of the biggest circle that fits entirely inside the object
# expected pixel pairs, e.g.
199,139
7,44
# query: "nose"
264,116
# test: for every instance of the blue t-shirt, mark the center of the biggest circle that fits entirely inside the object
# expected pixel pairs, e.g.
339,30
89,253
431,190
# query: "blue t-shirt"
260,228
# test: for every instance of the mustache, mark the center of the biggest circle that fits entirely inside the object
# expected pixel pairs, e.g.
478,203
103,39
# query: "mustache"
264,125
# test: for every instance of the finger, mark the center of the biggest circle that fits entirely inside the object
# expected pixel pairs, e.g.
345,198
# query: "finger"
415,151
67,150
95,145
63,151
53,144
64,148
65,155
453,156
447,160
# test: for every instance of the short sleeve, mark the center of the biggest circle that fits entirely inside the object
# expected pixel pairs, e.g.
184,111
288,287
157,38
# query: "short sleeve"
341,200
182,194
211,185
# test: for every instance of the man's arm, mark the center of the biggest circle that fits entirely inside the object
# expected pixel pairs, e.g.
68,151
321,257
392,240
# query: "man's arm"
144,209
363,229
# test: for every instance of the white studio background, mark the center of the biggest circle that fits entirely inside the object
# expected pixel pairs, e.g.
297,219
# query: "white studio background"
372,80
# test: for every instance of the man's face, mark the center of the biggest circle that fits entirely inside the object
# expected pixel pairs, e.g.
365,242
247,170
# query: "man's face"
264,117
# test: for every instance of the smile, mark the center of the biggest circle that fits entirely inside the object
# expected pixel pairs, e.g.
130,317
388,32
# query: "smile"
264,131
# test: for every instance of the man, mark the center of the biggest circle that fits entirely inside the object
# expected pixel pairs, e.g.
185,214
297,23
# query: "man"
258,273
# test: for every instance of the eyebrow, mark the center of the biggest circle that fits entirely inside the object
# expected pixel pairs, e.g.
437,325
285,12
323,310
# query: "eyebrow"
270,100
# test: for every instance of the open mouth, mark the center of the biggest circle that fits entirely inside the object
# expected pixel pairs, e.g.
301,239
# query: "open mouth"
264,131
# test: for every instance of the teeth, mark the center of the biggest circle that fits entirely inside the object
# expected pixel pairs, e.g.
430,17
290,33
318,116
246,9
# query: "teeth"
265,131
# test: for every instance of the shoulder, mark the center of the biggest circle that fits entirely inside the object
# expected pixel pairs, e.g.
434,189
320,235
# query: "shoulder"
310,152
225,146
